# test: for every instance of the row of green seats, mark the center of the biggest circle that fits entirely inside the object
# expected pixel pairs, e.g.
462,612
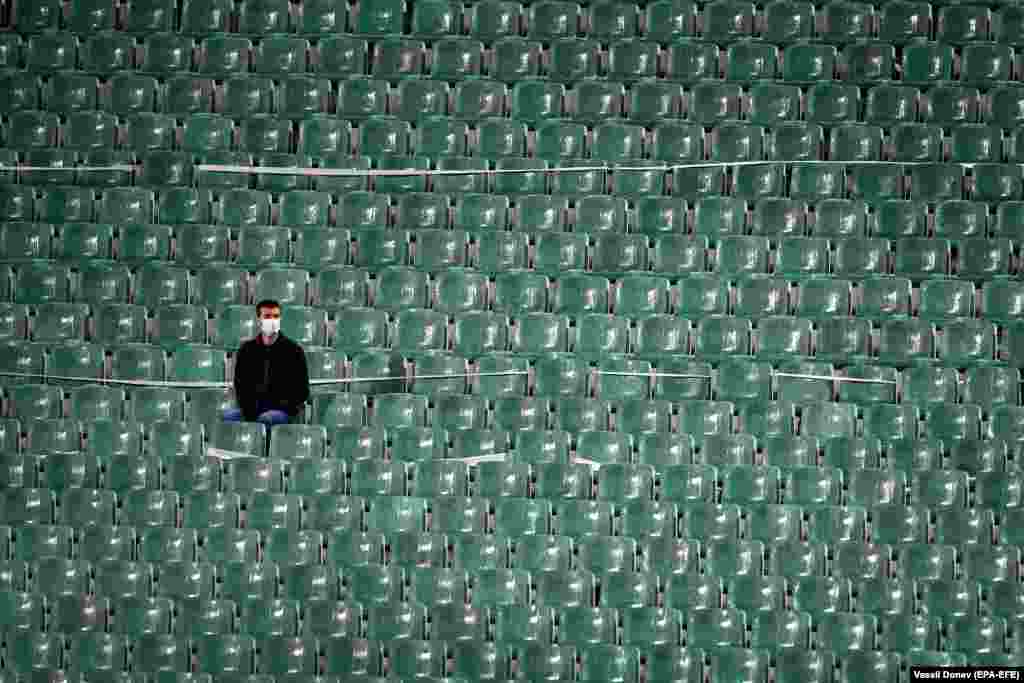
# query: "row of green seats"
277,619
59,218
742,284
452,145
85,272
643,536
923,181
309,70
525,433
318,497
83,618
491,374
740,390
389,376
367,661
722,21
217,284
421,335
300,659
522,432
315,118
617,482
569,276
306,99
956,341
799,481
356,559
643,181
763,329
710,532
146,588
662,432
170,307
92,107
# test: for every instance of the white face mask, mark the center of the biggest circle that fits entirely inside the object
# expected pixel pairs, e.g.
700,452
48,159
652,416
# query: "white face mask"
270,327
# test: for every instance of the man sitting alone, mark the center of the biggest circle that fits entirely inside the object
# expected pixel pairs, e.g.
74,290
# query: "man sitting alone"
271,378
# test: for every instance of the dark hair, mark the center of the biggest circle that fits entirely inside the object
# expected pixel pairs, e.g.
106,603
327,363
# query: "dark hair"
266,303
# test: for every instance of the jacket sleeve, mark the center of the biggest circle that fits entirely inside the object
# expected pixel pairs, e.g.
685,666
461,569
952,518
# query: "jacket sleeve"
301,388
242,379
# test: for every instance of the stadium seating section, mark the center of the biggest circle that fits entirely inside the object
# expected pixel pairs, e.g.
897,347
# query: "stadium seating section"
686,219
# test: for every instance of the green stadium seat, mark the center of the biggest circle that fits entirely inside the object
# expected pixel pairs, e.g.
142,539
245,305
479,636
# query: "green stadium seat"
146,131
206,510
207,132
944,299
140,243
263,17
903,22
319,248
184,94
990,386
398,58
102,283
667,20
347,655
1006,26
42,282
651,626
954,526
397,621
496,19
337,287
178,324
341,56
869,62
890,104
938,488
166,169
501,251
950,598
59,322
263,246
832,103
22,91
977,635
244,208
230,654
222,289
142,508
269,511
476,552
996,182
225,55
249,580
97,404
85,507
982,259
441,250
978,143
335,620
202,17
33,129
87,130
794,665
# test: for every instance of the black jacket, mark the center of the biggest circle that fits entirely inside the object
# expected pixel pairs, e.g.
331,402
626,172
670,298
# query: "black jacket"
272,376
